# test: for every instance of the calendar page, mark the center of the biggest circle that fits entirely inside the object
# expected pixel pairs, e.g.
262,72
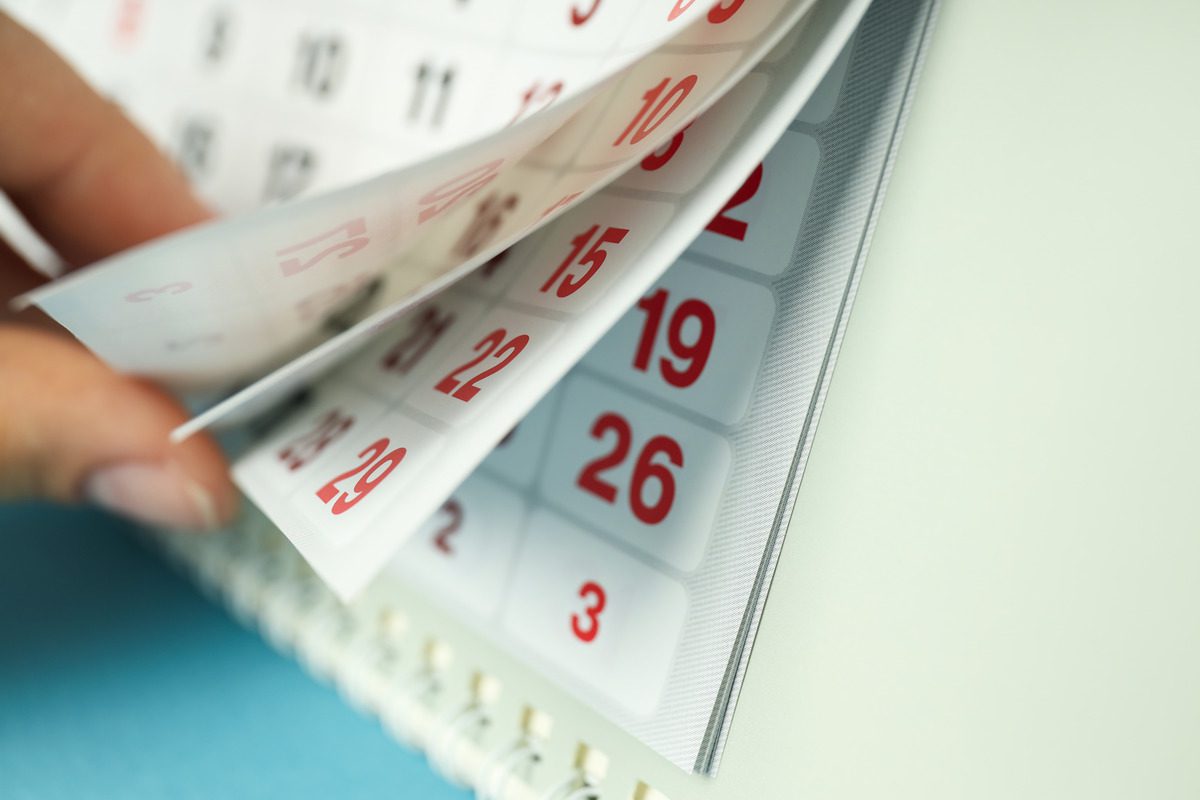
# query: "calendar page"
227,300
623,533
559,285
354,477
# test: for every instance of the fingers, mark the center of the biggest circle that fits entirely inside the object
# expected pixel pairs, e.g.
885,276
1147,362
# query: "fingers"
80,172
71,429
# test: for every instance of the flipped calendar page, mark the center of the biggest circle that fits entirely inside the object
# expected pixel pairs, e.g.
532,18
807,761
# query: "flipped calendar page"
621,539
231,298
350,480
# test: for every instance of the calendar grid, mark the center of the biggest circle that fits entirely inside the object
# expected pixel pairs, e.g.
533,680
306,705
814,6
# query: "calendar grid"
636,579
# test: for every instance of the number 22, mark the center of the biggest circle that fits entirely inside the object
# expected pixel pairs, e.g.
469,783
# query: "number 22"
489,345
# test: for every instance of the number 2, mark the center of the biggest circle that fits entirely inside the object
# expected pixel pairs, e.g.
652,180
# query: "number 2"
441,539
592,593
377,464
736,228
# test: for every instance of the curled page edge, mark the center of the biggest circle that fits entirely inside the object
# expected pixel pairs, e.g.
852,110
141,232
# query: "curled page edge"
351,575
562,111
321,357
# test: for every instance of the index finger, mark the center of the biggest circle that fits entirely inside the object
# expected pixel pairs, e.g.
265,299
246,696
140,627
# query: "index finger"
82,174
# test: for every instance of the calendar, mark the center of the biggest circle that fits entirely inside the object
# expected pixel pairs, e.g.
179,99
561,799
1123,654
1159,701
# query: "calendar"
527,305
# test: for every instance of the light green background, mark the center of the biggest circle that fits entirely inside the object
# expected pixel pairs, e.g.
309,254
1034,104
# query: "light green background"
991,587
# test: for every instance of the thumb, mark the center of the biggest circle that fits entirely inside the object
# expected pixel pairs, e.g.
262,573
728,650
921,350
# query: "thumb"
71,429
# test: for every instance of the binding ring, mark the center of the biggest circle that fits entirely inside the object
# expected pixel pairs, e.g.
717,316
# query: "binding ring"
499,766
574,787
394,710
441,752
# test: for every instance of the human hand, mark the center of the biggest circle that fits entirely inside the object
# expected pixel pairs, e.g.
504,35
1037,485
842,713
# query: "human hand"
91,184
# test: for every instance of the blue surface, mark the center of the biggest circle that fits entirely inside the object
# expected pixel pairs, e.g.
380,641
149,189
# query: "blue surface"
118,679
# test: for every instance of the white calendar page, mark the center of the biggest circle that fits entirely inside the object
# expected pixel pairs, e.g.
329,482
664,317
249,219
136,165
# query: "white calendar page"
412,416
230,298
622,536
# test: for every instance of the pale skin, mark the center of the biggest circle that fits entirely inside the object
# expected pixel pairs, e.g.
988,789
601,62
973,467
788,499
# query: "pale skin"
71,429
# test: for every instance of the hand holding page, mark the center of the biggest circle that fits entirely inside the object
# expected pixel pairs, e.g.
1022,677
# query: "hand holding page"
560,285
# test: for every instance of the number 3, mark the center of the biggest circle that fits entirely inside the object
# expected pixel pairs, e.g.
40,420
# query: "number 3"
591,613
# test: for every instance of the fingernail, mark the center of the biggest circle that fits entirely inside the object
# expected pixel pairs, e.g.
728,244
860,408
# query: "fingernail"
154,493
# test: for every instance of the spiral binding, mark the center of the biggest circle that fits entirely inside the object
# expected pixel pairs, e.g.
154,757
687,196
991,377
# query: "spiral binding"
266,585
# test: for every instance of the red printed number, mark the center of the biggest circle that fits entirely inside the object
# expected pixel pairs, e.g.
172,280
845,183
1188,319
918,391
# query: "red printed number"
586,626
716,15
663,155
354,238
377,463
579,17
441,540
659,103
645,469
329,428
694,354
593,260
492,345
736,228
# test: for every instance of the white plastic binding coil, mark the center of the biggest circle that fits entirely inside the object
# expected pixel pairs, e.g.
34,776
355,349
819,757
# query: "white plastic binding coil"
396,709
568,790
498,768
441,752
